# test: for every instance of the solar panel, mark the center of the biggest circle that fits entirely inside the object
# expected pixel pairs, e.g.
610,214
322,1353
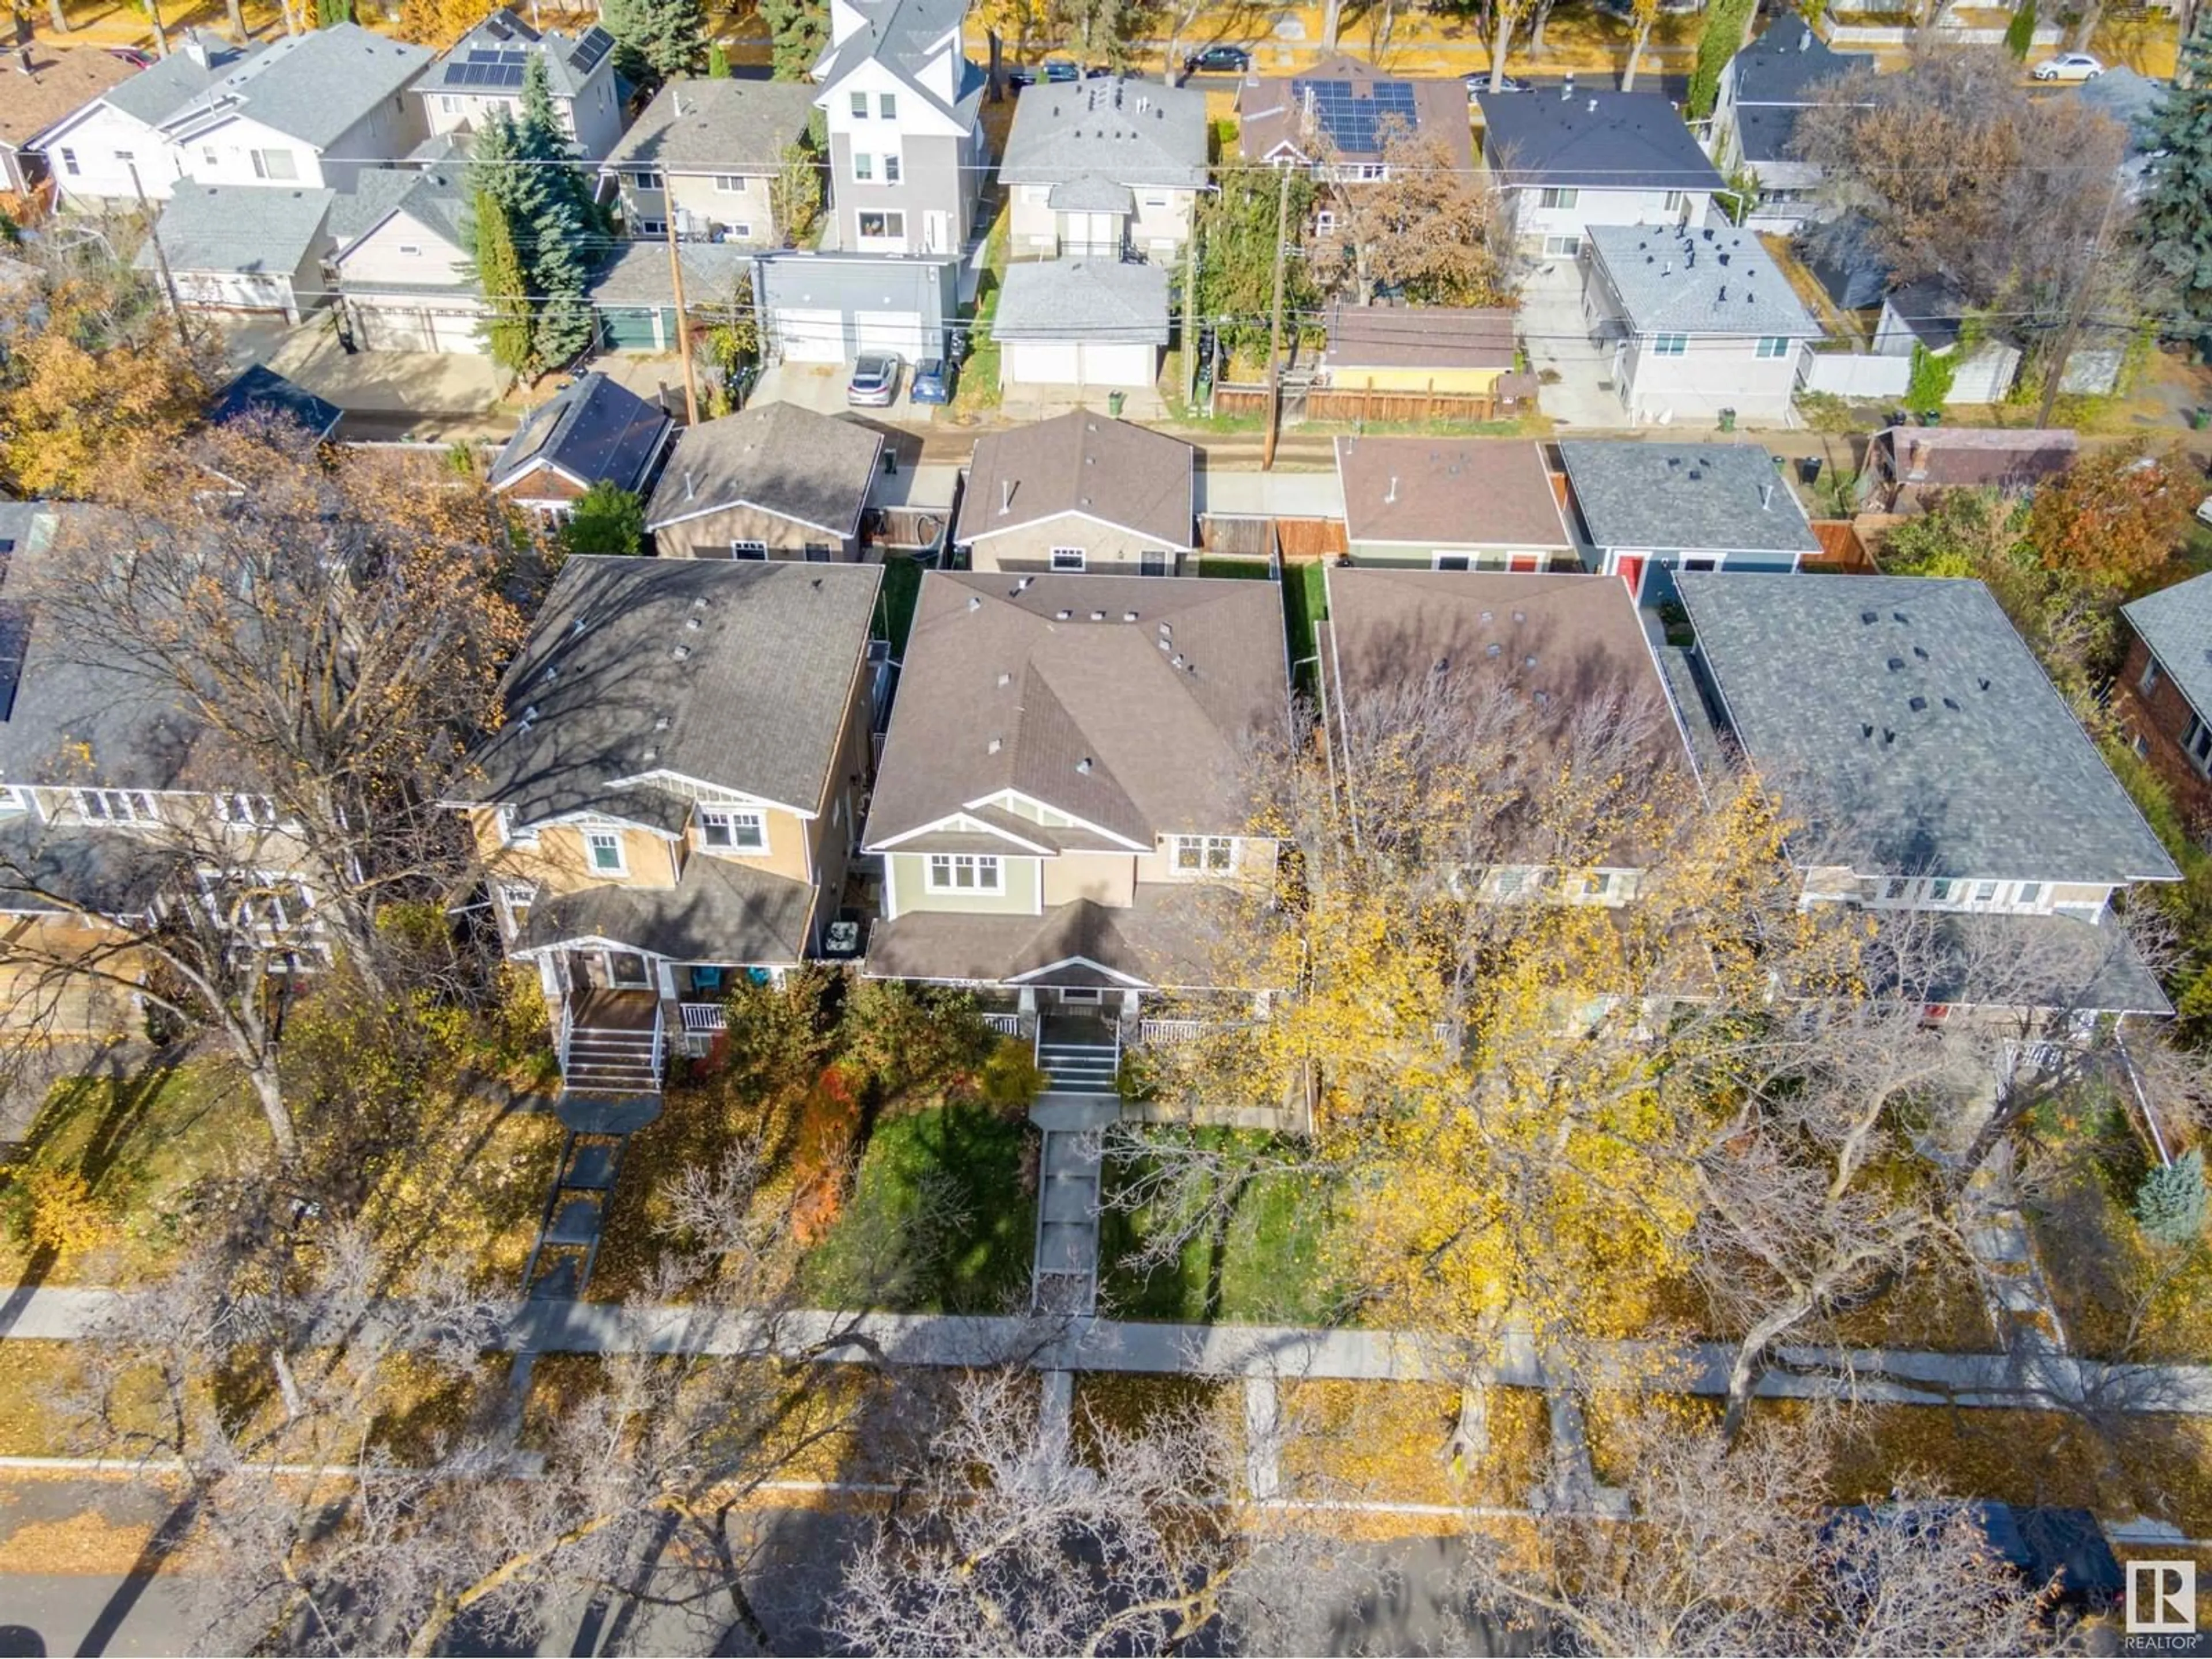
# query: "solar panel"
596,44
481,55
1353,122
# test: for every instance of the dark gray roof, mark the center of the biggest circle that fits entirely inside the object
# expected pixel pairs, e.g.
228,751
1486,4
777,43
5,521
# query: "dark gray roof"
2135,101
262,389
1080,462
1594,140
1083,300
2176,623
2018,962
1988,776
1787,63
1840,254
594,429
719,910
44,869
435,197
1764,132
158,91
1132,132
903,35
312,87
695,124
1710,281
570,60
638,274
810,468
1931,309
1719,496
240,228
755,702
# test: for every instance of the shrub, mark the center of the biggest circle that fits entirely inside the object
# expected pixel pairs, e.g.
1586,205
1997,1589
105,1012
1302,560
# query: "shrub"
1931,383
2020,33
2170,1202
1010,1078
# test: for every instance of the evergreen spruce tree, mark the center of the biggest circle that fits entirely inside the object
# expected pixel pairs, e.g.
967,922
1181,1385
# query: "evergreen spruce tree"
2170,1204
799,29
527,167
655,39
2177,214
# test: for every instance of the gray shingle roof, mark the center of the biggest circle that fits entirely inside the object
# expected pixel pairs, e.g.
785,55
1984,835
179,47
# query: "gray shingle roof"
1079,462
1450,492
903,35
1764,132
810,468
570,60
999,693
2176,623
1092,193
638,274
434,197
1594,140
1168,938
757,702
1988,776
1786,64
240,228
1083,300
159,90
594,429
1132,132
111,872
311,86
1686,497
1713,281
719,910
701,125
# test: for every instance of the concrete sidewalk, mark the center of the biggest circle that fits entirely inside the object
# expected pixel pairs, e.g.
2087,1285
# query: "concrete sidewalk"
1905,1376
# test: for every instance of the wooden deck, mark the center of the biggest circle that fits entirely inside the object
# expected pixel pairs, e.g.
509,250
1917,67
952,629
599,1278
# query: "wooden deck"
612,1011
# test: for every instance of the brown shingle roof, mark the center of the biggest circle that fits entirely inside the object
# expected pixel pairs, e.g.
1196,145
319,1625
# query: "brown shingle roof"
1450,492
1135,727
59,81
1425,336
1269,116
1125,475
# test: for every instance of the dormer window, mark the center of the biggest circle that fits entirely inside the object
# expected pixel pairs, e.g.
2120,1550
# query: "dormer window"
1196,854
117,806
256,809
962,873
733,829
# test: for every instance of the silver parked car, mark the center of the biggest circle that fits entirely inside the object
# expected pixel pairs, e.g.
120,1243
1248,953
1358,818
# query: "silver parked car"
875,381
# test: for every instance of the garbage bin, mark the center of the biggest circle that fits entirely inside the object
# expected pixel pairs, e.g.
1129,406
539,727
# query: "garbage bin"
1809,469
2199,419
1114,400
1728,420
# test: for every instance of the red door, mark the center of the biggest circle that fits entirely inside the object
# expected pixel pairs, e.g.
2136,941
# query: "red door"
1631,566
1525,561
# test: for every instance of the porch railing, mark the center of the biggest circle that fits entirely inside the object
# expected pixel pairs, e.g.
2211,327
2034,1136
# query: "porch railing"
1169,1030
703,1016
660,1045
561,1029
1007,1024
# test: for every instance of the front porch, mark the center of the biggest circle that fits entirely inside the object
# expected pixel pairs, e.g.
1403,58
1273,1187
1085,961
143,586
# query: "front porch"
619,1014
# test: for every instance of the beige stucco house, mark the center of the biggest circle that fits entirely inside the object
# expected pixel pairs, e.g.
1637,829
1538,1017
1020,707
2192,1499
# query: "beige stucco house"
1080,492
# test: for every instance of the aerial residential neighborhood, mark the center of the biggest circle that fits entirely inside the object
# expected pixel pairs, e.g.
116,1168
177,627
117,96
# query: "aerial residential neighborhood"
910,827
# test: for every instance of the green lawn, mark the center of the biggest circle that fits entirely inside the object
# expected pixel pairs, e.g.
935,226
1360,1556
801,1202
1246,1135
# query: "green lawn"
1305,602
980,1264
894,601
1265,1265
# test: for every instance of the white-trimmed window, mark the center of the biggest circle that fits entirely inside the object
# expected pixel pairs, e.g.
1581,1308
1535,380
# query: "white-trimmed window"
1775,345
2196,743
2148,681
1562,247
749,550
1067,558
962,873
653,227
275,165
1674,202
734,828
645,179
2029,892
68,163
1511,879
1194,854
885,227
257,809
864,167
411,249
1325,222
14,798
451,105
515,896
1596,883
509,836
859,105
606,847
729,184
1985,892
891,169
1370,172
743,233
1941,890
887,106
1556,197
1670,345
117,806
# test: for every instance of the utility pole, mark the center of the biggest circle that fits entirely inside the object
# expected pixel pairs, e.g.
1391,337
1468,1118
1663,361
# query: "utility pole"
1190,308
1275,328
161,260
2078,312
683,323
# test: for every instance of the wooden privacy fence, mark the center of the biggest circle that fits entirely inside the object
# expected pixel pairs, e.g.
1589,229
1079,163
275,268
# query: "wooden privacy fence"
1303,403
1295,540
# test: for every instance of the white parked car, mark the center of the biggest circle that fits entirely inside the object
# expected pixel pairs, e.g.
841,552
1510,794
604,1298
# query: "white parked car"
2068,66
2204,510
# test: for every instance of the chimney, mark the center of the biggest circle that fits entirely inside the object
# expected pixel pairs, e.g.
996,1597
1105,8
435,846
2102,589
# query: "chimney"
23,59
196,47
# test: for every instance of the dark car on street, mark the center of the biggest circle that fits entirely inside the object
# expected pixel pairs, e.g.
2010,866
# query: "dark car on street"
1218,60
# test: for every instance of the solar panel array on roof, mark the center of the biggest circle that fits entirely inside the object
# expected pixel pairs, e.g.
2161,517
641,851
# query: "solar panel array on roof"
1353,117
487,69
595,45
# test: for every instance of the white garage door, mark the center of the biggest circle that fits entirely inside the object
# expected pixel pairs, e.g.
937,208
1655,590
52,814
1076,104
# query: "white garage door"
456,331
1044,362
893,330
390,327
1118,363
811,337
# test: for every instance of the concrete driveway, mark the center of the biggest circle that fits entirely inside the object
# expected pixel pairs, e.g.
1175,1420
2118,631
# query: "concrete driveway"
430,383
821,387
1574,375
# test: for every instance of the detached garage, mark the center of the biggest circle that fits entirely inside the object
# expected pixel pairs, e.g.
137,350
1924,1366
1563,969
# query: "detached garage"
1082,323
244,247
827,307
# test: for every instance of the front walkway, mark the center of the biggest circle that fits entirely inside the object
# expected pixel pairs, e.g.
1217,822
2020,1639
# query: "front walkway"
1065,1280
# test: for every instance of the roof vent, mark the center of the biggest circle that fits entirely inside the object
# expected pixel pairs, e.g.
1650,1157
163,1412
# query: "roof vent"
1869,617
1166,646
1486,615
1520,616
1098,615
1129,615
1866,729
1062,615
1921,651
1391,498
1888,737
1918,705
681,652
1951,703
691,623
576,627
700,603
975,602
1527,662
1176,661
1442,665
661,722
648,755
992,747
1491,649
1004,680
1167,630
1895,664
1897,616
1084,765
1023,586
1984,683
530,714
